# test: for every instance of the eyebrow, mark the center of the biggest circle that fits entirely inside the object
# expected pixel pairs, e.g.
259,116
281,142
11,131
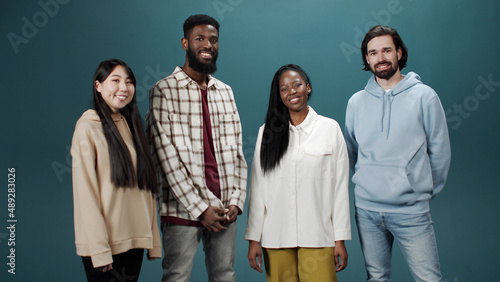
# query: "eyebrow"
383,48
296,80
117,75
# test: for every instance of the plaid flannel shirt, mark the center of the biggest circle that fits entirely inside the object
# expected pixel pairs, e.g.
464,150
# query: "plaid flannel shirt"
175,131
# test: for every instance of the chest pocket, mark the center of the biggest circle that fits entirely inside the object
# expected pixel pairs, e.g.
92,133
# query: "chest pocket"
228,129
180,131
318,162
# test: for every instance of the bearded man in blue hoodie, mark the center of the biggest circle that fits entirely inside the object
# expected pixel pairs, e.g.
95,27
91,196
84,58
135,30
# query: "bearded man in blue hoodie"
399,150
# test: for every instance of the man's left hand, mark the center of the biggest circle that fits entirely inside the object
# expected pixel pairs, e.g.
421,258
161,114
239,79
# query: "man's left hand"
231,214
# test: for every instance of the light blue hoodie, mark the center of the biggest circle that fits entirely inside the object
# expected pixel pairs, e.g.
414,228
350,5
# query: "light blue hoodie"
398,145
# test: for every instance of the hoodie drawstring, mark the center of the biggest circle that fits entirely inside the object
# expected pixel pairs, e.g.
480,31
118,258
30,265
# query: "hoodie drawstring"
390,98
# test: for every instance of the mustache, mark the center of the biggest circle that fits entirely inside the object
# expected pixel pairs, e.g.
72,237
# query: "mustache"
383,62
207,50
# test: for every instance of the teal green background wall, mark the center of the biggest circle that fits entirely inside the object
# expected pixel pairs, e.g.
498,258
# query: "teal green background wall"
49,50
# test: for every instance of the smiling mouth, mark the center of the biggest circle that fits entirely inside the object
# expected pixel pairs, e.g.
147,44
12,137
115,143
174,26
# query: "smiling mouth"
206,55
122,97
383,66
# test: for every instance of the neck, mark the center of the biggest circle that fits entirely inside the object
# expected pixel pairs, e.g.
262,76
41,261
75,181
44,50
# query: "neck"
297,118
387,84
200,78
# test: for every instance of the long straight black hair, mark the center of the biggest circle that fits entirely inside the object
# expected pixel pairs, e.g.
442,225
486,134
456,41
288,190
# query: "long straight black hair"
122,168
276,133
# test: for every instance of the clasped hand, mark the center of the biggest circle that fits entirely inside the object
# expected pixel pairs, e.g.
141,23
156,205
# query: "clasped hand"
214,218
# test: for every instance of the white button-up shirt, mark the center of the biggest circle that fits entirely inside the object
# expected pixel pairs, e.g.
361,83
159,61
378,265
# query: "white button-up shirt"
304,200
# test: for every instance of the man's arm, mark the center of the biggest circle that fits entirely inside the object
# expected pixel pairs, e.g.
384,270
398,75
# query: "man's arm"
167,155
352,144
438,143
239,190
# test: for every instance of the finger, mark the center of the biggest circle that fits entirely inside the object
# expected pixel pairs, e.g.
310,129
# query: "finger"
219,211
259,257
342,265
219,218
252,262
218,227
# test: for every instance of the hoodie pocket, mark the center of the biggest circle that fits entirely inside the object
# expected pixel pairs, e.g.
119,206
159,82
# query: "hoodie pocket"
420,173
385,185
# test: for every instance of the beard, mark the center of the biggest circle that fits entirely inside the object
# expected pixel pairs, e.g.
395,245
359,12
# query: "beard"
385,74
199,66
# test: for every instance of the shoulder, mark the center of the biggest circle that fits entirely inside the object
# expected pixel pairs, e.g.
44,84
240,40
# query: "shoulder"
326,122
89,118
358,97
88,124
172,79
419,89
424,93
425,89
322,121
219,84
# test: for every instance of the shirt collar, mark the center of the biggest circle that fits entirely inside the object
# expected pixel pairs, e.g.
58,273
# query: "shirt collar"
307,125
184,79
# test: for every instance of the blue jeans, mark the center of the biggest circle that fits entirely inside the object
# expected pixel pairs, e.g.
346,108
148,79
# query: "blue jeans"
414,234
180,244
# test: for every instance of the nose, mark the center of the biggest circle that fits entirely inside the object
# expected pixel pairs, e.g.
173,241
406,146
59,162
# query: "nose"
207,44
123,86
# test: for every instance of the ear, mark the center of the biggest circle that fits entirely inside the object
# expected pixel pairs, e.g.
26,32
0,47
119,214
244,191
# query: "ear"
185,44
98,86
400,53
308,88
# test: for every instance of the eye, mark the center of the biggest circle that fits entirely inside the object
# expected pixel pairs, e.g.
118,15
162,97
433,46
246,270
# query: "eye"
215,40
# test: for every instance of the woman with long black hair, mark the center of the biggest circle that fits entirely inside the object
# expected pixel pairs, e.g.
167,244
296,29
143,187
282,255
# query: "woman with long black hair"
298,201
114,181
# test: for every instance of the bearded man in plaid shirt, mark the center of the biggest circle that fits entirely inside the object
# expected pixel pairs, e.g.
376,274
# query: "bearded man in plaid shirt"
195,131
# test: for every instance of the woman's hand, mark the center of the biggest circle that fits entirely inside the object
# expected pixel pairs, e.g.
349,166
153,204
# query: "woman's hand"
105,268
341,256
255,255
151,258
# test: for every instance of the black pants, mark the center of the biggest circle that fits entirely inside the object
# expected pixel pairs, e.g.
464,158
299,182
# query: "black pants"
126,267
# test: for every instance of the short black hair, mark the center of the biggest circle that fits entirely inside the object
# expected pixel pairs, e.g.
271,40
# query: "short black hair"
380,30
196,20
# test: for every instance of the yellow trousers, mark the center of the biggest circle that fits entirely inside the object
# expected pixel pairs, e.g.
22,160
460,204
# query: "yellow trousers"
300,264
